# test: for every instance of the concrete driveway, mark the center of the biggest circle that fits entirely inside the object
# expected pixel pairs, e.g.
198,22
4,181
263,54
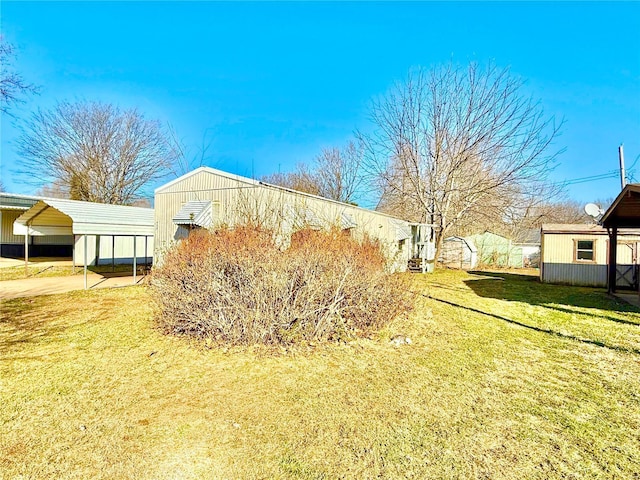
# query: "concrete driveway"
35,261
31,287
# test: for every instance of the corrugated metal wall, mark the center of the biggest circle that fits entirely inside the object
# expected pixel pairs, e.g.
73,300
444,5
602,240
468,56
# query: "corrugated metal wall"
238,201
123,251
7,217
575,274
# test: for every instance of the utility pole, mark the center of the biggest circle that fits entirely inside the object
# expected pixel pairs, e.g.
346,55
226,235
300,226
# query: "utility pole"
623,178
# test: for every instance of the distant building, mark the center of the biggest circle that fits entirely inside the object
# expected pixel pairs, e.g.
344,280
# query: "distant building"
529,243
11,207
496,250
458,252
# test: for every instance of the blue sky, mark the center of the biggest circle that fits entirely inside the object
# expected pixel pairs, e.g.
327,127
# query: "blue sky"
272,83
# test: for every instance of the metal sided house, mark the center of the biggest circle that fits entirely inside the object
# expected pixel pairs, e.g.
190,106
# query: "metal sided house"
205,198
575,254
12,246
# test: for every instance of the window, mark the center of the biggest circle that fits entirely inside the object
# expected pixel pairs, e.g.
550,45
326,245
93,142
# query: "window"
585,251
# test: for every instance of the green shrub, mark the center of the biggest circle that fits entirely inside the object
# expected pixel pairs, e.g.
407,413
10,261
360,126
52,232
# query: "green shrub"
234,285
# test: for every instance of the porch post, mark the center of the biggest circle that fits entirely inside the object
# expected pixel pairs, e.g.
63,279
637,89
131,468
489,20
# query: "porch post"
611,264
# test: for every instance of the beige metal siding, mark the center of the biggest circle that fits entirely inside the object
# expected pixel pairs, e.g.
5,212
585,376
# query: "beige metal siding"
560,247
6,220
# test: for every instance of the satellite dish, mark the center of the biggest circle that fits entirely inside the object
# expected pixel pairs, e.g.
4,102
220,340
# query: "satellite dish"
593,210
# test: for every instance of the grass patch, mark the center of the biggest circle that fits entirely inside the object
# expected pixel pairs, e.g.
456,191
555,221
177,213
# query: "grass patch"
504,378
40,271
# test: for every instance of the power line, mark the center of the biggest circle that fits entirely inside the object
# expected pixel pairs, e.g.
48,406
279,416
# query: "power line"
591,178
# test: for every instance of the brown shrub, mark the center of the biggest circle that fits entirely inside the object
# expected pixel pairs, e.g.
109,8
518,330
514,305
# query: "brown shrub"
236,286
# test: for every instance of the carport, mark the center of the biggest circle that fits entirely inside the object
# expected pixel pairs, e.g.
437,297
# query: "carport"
624,212
71,217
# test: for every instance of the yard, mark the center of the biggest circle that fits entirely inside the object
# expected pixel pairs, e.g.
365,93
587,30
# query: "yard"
504,378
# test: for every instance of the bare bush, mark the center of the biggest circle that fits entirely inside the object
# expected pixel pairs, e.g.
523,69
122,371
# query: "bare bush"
236,286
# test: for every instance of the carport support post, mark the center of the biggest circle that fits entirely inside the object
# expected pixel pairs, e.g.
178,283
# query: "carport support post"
85,261
26,252
73,255
113,253
613,254
135,256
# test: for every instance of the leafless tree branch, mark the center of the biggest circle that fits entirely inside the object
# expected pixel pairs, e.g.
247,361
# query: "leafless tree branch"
95,151
454,143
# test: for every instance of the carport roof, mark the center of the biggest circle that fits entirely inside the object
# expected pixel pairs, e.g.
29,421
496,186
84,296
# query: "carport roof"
85,218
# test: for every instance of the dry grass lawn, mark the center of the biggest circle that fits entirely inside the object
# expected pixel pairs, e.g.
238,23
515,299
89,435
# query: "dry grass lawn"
505,378
40,271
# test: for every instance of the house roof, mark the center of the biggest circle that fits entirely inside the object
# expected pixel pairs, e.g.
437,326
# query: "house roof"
256,183
13,201
65,217
583,229
467,241
625,210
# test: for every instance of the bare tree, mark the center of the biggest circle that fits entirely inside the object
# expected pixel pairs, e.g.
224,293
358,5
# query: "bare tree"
335,174
189,158
13,87
453,143
302,180
53,190
338,172
95,151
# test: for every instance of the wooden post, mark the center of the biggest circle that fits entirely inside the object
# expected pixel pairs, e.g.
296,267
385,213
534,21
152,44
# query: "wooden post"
113,253
611,264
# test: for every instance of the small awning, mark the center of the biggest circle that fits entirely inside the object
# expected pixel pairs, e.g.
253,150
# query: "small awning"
403,229
196,213
301,217
347,221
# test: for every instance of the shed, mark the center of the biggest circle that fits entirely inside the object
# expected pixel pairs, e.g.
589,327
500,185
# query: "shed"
458,252
496,250
206,197
101,233
576,254
529,242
